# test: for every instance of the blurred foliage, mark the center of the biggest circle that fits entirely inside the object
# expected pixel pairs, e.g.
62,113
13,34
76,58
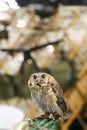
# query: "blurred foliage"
6,89
17,85
3,34
62,72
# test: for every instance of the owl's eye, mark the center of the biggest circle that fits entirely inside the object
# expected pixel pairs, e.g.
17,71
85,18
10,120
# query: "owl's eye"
35,76
43,76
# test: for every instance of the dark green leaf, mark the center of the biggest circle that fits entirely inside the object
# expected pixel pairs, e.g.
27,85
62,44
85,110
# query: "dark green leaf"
44,123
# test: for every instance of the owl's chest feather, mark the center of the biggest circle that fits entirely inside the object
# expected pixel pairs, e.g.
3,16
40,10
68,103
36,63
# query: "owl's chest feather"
44,99
38,96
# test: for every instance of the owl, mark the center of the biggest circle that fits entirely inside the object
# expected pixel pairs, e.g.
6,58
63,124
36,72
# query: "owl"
48,95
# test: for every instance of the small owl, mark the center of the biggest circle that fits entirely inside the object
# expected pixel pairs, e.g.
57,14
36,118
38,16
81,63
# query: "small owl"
48,95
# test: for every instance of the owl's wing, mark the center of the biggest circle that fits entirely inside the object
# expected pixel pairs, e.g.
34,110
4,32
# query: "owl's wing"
61,102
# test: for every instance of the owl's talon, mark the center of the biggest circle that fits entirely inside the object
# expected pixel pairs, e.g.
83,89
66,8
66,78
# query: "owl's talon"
44,117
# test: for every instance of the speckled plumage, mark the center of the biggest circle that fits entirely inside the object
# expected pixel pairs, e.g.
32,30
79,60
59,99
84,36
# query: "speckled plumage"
48,95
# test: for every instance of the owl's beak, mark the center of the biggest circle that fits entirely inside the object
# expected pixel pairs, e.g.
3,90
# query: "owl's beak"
39,84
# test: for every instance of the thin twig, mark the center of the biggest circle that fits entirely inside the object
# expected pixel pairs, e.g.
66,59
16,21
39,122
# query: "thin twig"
32,49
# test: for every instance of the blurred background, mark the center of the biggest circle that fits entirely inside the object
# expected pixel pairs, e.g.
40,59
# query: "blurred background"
43,36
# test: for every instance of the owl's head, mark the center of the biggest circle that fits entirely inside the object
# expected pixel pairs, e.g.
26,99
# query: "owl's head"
39,80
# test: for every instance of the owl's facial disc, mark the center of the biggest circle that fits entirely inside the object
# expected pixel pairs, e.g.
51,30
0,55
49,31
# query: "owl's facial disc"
39,79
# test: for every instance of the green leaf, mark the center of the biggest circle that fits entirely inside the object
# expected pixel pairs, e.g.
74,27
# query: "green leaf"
43,123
